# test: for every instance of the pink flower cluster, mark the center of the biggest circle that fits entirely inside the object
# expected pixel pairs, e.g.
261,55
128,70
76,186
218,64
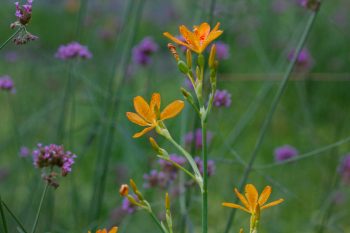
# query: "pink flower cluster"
73,50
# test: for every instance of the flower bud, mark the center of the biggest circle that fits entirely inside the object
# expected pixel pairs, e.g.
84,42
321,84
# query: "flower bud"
167,201
189,58
182,67
124,190
201,60
211,61
173,51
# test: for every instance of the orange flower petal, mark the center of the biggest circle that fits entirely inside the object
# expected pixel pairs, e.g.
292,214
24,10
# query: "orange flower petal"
135,118
232,205
272,204
252,196
264,196
216,27
189,37
142,108
144,131
113,230
172,109
202,31
242,199
212,36
155,101
173,38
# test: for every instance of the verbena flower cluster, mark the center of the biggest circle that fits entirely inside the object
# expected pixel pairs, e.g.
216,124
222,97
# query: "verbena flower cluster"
73,50
142,52
222,98
285,152
23,14
7,84
304,60
51,156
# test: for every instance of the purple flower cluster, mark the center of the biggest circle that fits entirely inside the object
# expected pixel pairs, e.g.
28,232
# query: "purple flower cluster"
196,138
344,168
210,167
24,12
222,51
7,84
167,174
73,50
51,156
284,153
141,53
222,99
304,59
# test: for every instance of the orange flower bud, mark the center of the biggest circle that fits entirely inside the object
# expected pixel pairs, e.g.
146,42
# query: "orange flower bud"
124,190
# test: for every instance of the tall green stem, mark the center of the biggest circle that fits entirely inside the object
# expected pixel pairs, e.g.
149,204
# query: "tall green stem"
11,37
271,112
39,208
14,217
205,178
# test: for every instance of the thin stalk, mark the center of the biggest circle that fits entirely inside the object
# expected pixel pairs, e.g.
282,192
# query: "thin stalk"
190,160
11,37
205,179
39,208
14,217
178,166
3,218
157,221
271,112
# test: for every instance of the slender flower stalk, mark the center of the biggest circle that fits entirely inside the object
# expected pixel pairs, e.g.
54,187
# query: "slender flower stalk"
39,208
273,107
20,225
11,37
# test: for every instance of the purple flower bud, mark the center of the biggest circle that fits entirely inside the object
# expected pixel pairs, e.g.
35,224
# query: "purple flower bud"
285,152
222,99
210,166
304,59
73,50
24,151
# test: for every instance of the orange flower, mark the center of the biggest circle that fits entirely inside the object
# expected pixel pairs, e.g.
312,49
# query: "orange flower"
113,230
252,200
149,116
197,40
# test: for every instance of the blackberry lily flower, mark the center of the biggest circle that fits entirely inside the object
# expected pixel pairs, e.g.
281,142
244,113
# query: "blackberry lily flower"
148,114
199,39
252,202
112,230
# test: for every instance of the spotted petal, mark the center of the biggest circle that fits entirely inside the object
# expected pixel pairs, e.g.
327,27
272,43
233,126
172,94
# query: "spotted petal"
135,118
173,38
142,108
189,37
155,102
242,199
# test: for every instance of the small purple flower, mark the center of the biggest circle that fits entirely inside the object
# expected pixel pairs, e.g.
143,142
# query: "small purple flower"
141,53
222,51
210,167
24,12
53,156
128,207
304,59
73,50
222,98
344,168
24,151
285,152
7,84
196,138
303,3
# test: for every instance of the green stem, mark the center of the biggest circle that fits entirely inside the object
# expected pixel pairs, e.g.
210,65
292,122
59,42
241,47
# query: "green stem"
157,222
205,179
3,218
14,217
11,37
39,208
189,158
271,112
178,166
